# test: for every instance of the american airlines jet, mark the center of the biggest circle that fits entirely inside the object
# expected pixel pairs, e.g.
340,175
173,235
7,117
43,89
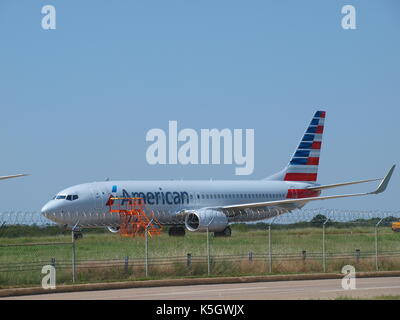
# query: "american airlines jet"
200,205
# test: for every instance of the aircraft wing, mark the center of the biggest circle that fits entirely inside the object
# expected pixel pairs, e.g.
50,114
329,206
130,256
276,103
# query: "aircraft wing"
13,176
335,185
382,187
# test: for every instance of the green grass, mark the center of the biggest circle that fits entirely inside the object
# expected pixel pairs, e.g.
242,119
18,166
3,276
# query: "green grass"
112,246
102,246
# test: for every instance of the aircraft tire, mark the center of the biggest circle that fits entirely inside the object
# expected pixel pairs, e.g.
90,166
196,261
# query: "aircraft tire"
227,232
176,232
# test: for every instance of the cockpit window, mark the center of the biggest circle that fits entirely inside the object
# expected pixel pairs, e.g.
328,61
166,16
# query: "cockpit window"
72,197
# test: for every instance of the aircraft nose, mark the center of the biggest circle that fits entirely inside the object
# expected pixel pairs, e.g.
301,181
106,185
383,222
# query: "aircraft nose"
53,212
49,207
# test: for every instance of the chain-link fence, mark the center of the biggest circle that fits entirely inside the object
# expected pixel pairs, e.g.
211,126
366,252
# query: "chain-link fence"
314,240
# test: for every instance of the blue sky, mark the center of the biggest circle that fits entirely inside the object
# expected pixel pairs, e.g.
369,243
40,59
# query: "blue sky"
77,102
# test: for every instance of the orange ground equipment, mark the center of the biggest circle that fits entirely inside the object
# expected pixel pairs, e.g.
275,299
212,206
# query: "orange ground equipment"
134,217
396,226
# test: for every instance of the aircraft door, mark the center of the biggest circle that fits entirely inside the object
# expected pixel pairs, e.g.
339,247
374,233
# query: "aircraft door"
97,198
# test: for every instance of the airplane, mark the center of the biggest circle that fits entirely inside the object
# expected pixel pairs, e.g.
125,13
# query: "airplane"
208,205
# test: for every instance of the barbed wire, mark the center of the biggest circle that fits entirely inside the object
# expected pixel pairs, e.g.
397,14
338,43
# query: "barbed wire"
106,219
24,218
334,215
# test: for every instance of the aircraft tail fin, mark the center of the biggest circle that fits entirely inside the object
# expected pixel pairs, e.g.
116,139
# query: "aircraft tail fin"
303,165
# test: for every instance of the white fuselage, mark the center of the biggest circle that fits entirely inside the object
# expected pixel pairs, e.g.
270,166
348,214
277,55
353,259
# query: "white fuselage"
86,204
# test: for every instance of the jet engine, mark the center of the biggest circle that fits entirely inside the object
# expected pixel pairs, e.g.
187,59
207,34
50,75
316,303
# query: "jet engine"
200,220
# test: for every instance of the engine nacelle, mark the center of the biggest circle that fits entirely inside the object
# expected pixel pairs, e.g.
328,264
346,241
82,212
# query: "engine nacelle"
199,220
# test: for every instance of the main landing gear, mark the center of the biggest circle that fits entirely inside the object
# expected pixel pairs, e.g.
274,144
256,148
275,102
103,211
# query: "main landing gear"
176,231
77,233
227,232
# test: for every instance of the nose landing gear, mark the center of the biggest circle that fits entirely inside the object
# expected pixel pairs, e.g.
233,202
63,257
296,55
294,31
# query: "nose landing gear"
77,232
78,235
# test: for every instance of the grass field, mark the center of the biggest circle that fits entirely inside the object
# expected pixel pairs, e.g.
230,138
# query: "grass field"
107,246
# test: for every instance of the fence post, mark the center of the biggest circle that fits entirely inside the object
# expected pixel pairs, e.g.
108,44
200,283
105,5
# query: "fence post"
146,247
270,246
250,256
189,260
53,262
376,244
208,254
126,265
146,252
323,245
73,255
358,253
74,230
304,254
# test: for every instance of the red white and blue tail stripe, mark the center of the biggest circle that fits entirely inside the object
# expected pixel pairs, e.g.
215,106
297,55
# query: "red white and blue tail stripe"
304,164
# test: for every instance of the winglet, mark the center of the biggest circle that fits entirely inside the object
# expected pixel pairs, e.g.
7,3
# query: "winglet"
382,186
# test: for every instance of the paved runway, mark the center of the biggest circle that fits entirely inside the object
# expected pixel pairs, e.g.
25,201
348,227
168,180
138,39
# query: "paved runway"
306,289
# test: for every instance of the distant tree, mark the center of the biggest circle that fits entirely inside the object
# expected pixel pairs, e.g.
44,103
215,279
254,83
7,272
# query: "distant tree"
318,220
